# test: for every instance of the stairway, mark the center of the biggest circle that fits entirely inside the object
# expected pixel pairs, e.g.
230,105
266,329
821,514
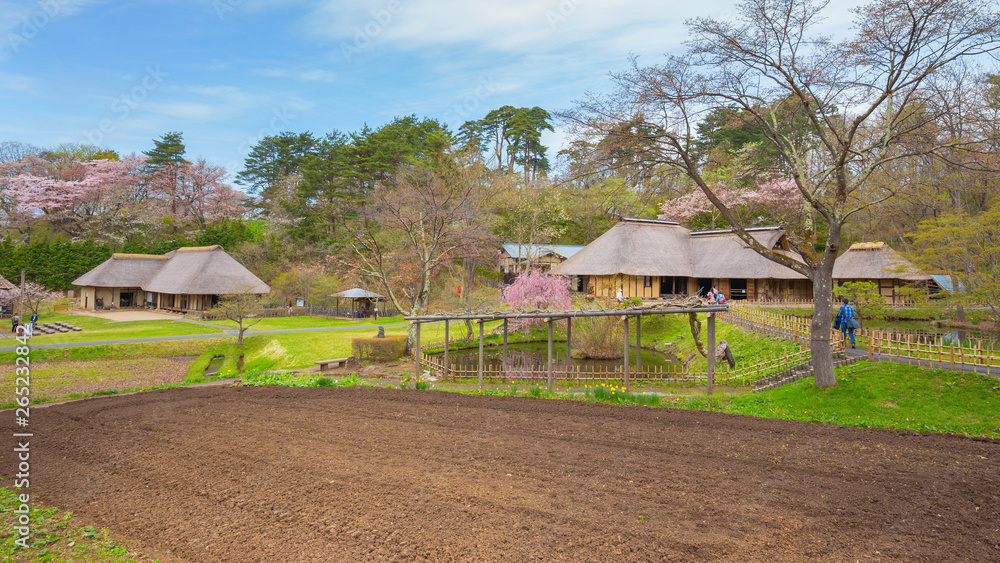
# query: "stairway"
798,372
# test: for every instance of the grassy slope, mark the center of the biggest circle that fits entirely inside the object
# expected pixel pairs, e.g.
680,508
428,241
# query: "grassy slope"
878,395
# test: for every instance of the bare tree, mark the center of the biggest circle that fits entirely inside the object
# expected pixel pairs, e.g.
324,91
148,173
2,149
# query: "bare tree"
835,112
241,307
432,216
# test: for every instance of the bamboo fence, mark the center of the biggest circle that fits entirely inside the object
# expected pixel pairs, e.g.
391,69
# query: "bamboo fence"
932,350
742,375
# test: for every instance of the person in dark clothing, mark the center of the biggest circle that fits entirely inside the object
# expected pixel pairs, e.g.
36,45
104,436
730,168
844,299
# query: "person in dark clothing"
845,321
14,322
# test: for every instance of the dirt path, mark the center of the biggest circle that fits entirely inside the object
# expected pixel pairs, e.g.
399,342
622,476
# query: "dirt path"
360,474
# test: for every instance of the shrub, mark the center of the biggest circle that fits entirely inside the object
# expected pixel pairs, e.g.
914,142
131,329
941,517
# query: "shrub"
867,301
598,337
379,349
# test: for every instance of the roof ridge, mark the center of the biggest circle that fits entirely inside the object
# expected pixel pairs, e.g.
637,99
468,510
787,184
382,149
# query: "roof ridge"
128,256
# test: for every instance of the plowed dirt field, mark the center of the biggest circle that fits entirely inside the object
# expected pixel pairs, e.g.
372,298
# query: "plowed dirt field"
361,474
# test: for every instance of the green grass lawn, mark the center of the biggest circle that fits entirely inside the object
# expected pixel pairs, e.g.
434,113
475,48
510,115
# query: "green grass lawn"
95,328
878,395
281,323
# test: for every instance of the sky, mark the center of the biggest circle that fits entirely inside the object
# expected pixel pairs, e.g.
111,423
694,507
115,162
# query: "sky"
227,73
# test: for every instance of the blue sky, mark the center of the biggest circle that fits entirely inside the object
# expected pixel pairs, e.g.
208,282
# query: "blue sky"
227,72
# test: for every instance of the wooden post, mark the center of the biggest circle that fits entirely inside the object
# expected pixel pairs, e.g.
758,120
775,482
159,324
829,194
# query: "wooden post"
625,355
503,358
638,344
569,346
481,323
711,350
444,365
550,354
416,353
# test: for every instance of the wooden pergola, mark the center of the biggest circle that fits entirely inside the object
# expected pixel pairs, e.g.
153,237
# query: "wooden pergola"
551,317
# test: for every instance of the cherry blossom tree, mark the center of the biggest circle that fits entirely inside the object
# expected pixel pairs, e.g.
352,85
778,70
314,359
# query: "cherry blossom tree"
773,201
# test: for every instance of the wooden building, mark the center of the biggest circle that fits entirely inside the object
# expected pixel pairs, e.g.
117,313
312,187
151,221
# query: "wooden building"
186,279
516,257
654,259
877,263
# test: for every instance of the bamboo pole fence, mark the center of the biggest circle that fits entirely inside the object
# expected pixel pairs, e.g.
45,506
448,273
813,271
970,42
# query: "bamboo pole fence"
933,350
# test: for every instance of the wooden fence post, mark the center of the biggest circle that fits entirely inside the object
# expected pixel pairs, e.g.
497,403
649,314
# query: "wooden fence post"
481,324
711,350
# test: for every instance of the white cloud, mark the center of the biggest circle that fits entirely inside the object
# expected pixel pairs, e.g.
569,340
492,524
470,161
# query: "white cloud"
522,26
314,75
18,83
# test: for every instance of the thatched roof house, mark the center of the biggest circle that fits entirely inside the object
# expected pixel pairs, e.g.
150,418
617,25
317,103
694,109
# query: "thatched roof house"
652,258
876,262
182,280
4,284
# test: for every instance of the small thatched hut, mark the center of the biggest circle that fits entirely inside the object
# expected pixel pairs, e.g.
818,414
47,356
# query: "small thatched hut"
186,279
653,259
4,284
876,262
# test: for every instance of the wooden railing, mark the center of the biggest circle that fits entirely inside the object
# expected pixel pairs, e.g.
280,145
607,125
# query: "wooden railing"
796,329
744,374
932,350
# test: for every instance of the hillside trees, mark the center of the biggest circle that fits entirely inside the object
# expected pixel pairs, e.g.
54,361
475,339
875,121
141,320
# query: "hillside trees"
967,248
510,137
861,100
435,213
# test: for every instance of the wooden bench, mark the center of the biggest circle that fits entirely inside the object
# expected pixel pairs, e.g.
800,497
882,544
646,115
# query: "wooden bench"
335,363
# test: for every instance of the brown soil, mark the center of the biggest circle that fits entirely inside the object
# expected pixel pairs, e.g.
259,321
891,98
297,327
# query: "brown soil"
361,474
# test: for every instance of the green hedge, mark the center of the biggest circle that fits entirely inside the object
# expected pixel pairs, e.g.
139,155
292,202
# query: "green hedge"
386,349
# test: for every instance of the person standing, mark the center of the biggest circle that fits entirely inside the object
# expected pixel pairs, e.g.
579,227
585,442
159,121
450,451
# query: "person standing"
845,321
14,321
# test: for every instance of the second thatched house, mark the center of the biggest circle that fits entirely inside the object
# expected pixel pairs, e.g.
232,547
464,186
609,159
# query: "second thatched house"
875,262
651,259
186,279
654,259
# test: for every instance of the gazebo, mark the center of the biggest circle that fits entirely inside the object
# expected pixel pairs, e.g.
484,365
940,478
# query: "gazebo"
358,296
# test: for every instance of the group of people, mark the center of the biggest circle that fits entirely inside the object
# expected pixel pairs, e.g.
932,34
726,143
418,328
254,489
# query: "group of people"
716,298
29,326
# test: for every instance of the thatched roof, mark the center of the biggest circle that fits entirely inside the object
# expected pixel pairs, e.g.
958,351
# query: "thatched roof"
357,293
123,270
874,261
4,284
535,251
203,270
648,247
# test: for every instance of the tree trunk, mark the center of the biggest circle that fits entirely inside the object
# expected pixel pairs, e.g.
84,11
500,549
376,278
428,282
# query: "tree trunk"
819,342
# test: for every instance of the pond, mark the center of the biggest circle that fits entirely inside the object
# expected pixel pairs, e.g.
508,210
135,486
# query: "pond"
535,354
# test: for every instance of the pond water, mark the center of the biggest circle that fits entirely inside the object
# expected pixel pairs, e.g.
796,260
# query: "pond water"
536,353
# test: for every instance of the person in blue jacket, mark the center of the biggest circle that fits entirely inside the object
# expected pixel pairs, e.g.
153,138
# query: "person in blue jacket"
845,321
